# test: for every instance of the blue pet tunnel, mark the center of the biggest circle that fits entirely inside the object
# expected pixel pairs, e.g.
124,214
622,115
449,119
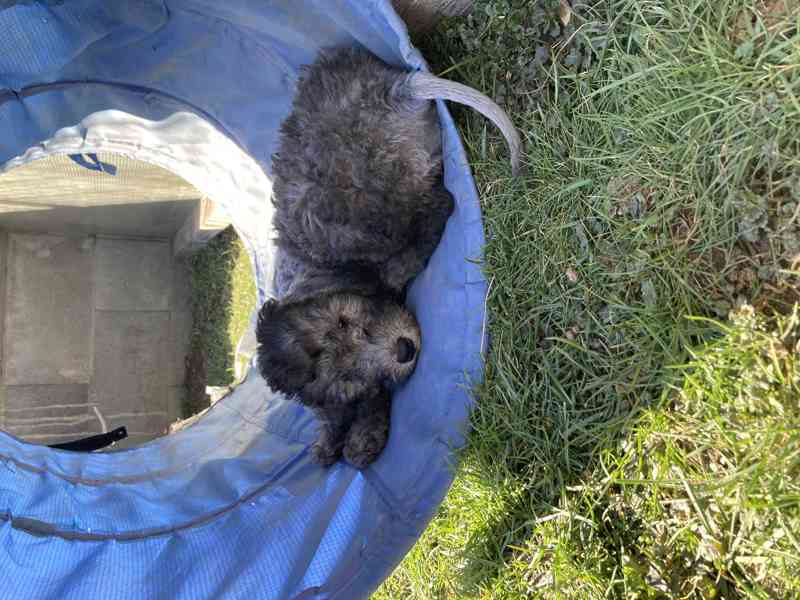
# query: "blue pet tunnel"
231,507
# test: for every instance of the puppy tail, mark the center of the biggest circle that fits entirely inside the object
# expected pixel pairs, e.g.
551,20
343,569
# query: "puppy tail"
424,86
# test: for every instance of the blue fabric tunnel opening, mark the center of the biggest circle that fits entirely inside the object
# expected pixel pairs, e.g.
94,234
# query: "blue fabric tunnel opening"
233,506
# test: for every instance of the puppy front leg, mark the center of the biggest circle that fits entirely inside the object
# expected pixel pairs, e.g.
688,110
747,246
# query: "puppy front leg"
334,424
434,212
370,432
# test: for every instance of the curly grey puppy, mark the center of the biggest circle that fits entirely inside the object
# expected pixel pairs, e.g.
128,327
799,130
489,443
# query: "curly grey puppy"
361,206
340,353
358,170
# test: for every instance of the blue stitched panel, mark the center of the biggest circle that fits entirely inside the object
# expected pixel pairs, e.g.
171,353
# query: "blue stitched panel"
231,507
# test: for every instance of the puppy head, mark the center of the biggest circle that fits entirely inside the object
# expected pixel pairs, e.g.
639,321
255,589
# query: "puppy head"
336,348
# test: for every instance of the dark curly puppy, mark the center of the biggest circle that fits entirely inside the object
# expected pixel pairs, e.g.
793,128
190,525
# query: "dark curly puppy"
340,353
358,170
360,207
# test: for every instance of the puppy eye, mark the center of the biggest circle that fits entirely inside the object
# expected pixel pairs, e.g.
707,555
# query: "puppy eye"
365,332
342,323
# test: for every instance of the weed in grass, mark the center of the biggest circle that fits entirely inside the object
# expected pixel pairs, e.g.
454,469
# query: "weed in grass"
715,474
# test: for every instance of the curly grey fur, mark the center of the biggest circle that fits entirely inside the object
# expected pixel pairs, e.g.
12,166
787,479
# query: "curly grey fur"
358,170
340,354
357,176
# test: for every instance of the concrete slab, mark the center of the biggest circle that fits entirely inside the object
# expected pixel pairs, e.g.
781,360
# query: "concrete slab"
133,275
181,321
181,285
181,325
48,316
97,331
151,220
177,398
130,384
48,414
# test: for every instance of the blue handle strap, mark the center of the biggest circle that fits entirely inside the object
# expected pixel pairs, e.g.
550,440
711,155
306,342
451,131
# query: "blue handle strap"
95,165
94,442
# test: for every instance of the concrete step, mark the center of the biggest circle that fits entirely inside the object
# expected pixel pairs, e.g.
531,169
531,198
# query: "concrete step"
48,318
133,275
130,384
181,321
95,336
49,413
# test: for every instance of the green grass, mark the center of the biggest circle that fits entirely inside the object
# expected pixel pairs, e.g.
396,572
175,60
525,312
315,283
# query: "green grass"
698,497
224,297
626,445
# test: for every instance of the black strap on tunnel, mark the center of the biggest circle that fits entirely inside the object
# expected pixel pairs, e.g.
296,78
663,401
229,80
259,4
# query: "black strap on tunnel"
93,442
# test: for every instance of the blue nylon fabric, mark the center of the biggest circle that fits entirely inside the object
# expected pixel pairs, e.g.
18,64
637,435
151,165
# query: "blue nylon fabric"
231,507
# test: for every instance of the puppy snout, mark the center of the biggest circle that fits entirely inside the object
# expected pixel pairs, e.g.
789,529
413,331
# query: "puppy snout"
405,350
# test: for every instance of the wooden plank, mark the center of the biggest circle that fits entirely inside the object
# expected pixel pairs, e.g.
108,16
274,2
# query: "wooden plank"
206,221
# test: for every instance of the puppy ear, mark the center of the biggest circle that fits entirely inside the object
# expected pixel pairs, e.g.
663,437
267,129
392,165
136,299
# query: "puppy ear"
282,361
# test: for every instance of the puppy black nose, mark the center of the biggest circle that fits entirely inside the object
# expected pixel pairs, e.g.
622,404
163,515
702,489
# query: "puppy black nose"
405,350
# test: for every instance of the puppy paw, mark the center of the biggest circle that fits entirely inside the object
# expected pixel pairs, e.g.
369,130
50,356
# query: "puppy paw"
402,268
363,446
395,281
325,454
